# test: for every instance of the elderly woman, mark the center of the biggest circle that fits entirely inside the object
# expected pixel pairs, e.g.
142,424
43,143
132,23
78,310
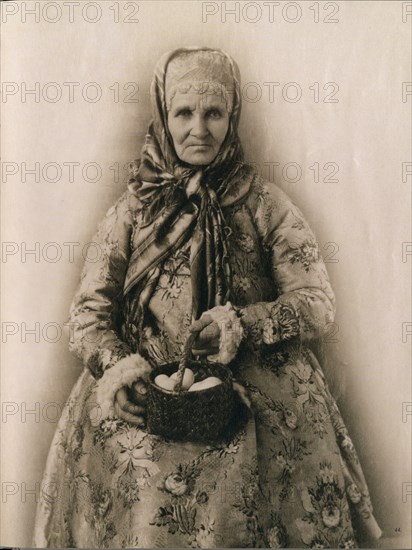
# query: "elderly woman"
199,242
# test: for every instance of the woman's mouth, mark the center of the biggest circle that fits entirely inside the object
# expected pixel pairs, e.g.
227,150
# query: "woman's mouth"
199,145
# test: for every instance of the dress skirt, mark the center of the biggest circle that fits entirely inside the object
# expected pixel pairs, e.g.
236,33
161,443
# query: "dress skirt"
288,475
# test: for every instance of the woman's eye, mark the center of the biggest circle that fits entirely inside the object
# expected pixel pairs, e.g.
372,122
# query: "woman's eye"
185,113
214,113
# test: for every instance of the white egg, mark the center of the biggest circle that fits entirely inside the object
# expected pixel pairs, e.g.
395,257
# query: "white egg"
164,382
209,382
213,381
188,378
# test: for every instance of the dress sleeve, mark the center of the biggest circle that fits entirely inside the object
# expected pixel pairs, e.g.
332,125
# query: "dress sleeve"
305,304
95,312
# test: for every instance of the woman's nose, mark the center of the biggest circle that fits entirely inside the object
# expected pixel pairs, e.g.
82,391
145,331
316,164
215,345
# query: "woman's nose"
199,128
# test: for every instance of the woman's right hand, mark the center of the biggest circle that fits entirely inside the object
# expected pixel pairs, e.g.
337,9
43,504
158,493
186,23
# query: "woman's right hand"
132,411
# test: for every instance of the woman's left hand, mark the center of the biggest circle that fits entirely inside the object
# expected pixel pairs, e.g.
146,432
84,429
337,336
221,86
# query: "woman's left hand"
207,341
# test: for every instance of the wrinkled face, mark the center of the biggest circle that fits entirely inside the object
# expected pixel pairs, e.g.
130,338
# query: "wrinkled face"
198,124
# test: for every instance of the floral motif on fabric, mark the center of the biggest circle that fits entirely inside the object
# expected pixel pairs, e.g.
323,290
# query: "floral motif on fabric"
289,473
327,512
305,253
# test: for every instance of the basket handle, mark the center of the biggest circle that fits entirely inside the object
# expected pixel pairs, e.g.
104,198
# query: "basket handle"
187,351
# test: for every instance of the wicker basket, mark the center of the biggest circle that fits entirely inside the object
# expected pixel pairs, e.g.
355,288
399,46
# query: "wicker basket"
192,416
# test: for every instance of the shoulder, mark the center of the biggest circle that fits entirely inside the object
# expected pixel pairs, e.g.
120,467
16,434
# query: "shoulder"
248,189
266,199
122,217
126,204
263,190
273,212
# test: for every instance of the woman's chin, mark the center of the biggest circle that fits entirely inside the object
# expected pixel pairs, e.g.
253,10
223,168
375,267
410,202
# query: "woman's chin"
199,159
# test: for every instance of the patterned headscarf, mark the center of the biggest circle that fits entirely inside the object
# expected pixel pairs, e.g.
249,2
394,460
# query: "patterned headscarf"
182,201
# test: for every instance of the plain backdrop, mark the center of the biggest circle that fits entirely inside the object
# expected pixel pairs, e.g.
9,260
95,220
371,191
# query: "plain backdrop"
323,117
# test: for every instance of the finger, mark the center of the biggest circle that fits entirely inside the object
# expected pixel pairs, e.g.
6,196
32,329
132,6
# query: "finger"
132,419
139,392
125,404
201,323
209,334
139,399
209,337
121,396
140,387
133,409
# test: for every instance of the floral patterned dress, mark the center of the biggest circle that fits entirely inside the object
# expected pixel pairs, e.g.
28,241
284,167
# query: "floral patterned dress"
286,476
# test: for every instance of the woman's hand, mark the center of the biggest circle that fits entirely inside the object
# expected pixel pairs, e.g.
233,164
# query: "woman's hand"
207,341
220,334
132,409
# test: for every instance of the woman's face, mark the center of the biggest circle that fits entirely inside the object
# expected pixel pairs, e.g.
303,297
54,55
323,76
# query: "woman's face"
198,124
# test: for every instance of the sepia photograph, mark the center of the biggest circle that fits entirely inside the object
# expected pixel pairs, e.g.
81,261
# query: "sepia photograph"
206,260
